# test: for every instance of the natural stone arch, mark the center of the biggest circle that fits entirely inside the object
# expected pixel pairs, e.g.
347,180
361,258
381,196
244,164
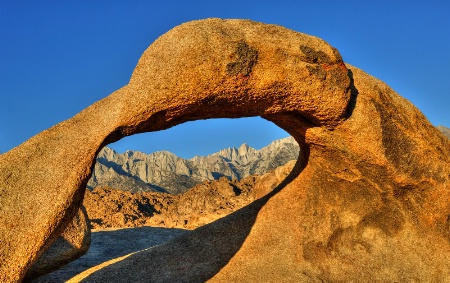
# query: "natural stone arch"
372,202
205,69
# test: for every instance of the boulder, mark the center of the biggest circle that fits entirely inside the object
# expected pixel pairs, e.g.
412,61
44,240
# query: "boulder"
368,199
70,245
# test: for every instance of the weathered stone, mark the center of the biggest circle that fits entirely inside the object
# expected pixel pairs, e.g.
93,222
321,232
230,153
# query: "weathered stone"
368,200
70,245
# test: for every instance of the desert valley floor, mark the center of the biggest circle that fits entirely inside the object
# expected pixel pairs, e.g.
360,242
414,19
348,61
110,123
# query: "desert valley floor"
109,246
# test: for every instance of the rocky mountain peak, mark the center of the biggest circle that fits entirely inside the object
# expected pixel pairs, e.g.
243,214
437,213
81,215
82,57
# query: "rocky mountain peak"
444,130
243,149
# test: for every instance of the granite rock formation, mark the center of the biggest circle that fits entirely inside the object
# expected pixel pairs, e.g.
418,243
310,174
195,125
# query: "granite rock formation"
368,199
202,204
164,171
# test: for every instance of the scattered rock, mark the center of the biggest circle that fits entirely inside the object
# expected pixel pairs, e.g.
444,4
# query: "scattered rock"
203,204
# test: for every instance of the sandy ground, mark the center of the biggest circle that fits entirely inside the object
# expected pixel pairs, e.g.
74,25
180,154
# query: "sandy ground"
111,244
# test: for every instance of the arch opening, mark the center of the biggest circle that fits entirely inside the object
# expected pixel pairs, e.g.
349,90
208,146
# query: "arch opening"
113,211
179,183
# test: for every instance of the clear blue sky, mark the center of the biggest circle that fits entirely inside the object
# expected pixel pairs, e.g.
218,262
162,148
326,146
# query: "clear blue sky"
58,57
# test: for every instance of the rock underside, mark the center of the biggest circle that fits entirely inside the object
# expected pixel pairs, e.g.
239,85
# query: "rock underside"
368,200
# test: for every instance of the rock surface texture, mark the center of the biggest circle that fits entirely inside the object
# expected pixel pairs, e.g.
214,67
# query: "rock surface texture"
368,200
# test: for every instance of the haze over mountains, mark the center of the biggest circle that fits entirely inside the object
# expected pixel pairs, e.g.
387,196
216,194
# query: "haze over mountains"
163,171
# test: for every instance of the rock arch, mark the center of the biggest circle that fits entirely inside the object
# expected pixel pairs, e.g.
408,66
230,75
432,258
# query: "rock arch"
233,68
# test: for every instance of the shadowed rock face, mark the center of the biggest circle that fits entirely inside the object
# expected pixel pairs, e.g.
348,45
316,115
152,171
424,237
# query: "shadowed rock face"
369,198
71,244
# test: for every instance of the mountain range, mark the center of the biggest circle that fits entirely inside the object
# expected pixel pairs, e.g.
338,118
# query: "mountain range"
163,171
444,130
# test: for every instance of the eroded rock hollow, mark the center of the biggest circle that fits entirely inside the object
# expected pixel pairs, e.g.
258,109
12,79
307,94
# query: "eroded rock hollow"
369,198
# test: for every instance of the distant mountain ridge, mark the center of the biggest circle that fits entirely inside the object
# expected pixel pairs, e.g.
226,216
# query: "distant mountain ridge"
163,171
444,130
